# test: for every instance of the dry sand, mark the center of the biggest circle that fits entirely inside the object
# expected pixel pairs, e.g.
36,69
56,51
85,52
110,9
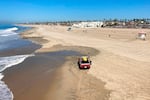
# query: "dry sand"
123,62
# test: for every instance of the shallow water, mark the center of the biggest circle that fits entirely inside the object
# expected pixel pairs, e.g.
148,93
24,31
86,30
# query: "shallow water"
35,69
63,53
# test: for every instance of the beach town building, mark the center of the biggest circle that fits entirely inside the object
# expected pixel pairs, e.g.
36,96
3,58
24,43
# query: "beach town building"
88,25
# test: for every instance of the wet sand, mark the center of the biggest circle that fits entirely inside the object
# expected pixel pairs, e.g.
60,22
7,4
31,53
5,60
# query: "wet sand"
54,75
79,85
31,79
21,50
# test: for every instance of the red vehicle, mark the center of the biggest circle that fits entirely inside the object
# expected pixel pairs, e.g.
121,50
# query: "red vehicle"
84,62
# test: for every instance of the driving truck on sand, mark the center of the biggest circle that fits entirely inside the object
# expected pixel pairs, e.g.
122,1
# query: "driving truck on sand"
84,62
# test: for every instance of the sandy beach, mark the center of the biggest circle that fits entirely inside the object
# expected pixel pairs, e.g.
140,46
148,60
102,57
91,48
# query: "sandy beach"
120,65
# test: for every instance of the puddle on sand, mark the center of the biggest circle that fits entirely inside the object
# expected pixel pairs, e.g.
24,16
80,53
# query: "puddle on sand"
63,53
36,73
39,69
53,59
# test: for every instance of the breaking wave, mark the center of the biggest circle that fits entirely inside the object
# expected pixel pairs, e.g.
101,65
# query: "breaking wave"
8,31
6,62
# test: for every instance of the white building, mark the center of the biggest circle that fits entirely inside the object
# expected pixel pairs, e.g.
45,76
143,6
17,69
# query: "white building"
88,25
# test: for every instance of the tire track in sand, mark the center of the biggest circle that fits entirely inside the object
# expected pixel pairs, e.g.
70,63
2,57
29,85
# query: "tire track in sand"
85,86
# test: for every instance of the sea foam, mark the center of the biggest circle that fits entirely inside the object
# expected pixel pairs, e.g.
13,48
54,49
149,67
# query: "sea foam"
6,62
8,31
5,93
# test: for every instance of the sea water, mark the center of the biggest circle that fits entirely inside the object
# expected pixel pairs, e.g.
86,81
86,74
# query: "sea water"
10,39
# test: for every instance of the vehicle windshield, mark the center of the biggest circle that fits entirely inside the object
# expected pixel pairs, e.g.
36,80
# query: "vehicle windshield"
85,61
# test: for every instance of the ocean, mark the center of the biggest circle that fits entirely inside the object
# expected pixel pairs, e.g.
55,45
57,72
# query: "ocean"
10,40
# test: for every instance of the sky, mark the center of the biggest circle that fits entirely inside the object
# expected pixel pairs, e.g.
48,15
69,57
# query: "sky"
63,10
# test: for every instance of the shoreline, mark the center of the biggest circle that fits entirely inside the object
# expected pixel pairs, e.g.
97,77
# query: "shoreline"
14,55
120,62
48,93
